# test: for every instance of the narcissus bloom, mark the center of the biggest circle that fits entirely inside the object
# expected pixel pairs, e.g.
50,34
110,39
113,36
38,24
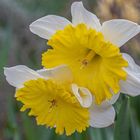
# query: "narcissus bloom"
91,51
56,101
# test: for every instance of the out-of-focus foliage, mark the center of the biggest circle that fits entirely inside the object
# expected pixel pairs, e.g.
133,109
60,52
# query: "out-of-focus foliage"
19,46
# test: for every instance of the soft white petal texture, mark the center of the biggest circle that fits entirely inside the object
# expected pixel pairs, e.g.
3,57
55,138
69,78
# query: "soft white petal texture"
114,98
61,73
119,31
101,115
81,15
83,95
132,85
46,26
17,75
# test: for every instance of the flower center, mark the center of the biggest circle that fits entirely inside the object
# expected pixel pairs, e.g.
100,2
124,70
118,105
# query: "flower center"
90,55
96,64
53,105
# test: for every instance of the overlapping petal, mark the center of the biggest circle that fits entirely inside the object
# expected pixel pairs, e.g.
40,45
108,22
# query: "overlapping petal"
102,115
46,26
114,98
60,73
83,95
132,85
81,15
119,31
17,75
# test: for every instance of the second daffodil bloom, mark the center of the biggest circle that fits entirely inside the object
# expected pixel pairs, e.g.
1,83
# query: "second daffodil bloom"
91,51
56,101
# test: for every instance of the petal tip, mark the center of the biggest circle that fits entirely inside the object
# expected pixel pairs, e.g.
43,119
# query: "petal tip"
83,95
77,2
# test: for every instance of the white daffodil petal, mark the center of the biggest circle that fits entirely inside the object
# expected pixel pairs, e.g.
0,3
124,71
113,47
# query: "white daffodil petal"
61,73
132,85
46,26
17,75
101,115
81,15
114,98
119,31
83,95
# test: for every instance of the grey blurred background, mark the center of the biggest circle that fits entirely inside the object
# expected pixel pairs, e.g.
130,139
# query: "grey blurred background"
19,46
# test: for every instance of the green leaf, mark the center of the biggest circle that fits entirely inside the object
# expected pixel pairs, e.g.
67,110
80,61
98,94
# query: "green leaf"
135,104
122,125
135,120
5,45
12,130
101,133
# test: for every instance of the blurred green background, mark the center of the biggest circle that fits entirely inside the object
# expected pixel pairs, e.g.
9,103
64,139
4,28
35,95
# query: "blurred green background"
19,46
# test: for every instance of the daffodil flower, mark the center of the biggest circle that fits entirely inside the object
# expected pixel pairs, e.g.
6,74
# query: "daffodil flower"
91,51
56,101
